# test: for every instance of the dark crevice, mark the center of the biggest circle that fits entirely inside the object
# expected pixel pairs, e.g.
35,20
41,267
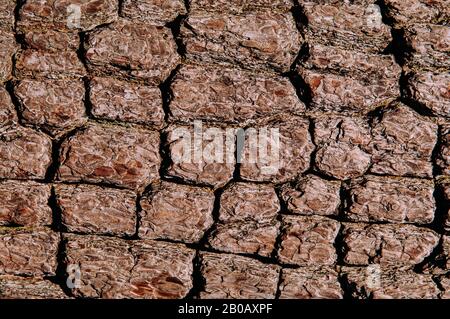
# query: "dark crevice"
313,170
386,19
302,89
20,39
345,200
376,115
278,191
181,181
312,156
205,248
398,47
119,123
410,175
417,107
437,281
238,153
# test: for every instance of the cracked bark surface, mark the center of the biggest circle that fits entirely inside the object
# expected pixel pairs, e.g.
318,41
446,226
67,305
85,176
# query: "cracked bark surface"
136,269
310,283
230,95
176,212
391,284
25,203
94,95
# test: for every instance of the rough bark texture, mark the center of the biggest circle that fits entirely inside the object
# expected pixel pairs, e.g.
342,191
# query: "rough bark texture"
8,48
267,40
239,6
348,81
7,14
445,189
51,40
28,251
428,46
343,146
8,115
418,11
431,90
44,63
62,15
402,144
349,26
443,157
